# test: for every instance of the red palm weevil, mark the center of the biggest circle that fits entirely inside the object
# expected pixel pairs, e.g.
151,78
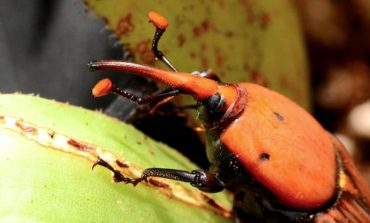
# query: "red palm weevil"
281,164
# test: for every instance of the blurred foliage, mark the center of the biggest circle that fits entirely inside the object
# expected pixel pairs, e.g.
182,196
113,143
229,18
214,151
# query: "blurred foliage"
249,40
339,57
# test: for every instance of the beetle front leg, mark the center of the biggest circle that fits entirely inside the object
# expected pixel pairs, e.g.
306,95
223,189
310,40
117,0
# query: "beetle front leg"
117,176
201,179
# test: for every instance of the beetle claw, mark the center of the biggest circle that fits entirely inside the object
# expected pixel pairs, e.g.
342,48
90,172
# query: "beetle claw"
117,176
101,162
135,181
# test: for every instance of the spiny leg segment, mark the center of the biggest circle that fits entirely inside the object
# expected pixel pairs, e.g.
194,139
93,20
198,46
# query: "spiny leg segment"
203,180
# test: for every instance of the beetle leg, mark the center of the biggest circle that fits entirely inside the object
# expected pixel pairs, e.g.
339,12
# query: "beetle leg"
117,176
161,57
201,179
157,53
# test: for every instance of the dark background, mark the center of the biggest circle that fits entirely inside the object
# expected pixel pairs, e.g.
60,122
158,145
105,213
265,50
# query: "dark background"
43,50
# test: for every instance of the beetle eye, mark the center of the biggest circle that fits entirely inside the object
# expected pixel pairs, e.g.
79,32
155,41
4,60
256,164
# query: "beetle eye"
213,108
214,102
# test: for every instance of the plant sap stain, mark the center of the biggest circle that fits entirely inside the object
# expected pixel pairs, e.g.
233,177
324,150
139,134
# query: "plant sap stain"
79,146
25,128
121,164
157,183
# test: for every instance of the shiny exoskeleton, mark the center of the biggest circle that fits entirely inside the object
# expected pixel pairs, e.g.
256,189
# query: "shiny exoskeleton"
277,159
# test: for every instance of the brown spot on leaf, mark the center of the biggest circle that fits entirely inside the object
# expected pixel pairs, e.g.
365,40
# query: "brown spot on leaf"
145,52
192,55
248,10
197,31
221,3
80,146
203,47
205,63
264,20
181,39
147,57
124,26
206,25
25,128
157,183
219,57
2,119
202,28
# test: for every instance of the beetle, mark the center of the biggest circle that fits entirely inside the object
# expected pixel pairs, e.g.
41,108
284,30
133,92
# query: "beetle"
281,164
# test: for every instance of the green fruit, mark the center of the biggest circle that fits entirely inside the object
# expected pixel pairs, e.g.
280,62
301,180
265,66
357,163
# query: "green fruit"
46,154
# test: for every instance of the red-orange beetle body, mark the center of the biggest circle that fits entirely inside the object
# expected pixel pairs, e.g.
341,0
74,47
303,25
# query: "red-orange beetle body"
277,159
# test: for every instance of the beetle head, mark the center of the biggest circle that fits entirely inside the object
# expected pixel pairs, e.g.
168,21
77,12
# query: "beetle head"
219,102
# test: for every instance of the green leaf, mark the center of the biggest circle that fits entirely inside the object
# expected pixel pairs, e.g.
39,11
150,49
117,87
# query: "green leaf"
46,154
241,40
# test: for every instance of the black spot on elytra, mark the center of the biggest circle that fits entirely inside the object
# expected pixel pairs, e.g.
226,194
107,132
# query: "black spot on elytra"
264,156
279,116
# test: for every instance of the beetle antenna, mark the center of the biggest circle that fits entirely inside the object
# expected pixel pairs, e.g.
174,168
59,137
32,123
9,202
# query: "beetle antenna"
105,86
161,25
